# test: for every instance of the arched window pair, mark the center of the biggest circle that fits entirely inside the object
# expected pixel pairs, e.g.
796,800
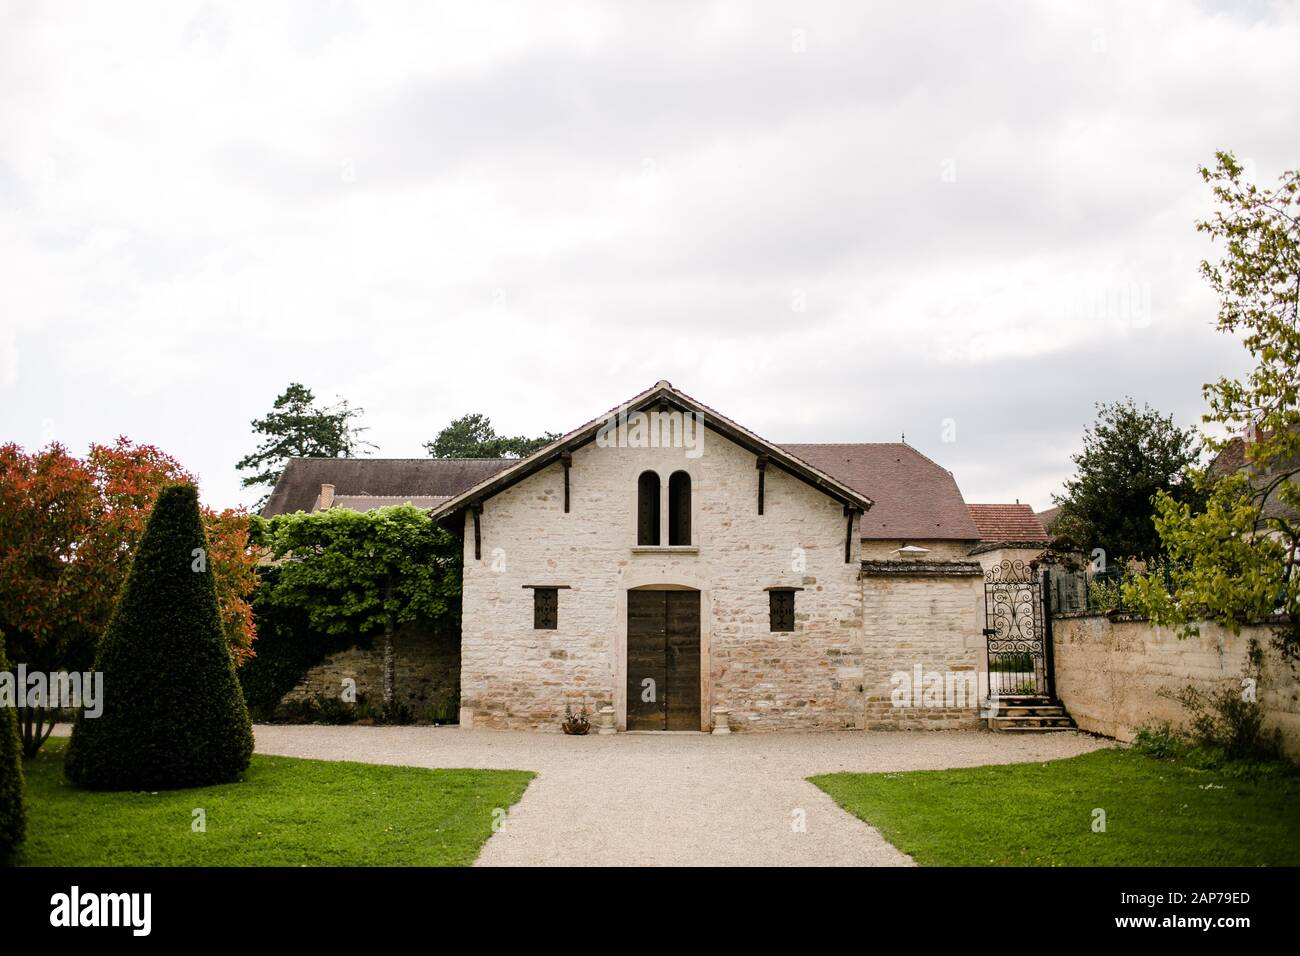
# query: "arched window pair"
679,509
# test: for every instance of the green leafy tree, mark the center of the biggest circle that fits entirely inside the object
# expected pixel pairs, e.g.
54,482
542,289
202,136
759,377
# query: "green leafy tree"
1235,558
297,427
173,714
1129,456
13,810
472,436
365,573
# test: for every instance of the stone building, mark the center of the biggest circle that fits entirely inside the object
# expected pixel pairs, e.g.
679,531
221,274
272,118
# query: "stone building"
667,563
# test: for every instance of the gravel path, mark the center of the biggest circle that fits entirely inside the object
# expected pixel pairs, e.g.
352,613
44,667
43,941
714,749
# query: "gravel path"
678,799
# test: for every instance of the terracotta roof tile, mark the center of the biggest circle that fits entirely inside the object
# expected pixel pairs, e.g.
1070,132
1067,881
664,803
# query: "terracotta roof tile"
1008,523
914,497
299,484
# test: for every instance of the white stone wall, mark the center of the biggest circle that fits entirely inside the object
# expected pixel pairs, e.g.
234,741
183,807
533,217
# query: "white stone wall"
922,626
514,676
1115,677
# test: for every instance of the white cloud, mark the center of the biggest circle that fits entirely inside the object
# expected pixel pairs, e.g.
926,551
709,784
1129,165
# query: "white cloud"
537,210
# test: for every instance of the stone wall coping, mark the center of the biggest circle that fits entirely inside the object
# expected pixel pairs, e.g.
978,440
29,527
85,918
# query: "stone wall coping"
929,569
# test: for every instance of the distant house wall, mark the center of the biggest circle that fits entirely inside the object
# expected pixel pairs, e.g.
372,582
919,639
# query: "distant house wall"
992,558
1110,674
880,549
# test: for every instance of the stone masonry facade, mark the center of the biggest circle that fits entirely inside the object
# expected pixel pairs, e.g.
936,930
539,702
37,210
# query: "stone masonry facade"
832,672
428,674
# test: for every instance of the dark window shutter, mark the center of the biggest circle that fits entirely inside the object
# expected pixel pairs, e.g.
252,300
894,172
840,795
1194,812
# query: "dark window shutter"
545,609
647,509
679,508
781,609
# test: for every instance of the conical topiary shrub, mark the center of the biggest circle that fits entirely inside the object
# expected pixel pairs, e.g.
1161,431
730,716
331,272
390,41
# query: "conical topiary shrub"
13,812
173,713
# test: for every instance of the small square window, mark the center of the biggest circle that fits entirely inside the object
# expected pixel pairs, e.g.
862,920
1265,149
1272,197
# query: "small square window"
545,609
781,607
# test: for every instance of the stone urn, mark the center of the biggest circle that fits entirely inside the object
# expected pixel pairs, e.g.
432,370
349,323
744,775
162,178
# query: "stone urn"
605,720
721,716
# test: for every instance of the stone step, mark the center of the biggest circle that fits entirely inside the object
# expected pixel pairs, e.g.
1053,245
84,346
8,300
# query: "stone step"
1032,728
1030,723
1046,710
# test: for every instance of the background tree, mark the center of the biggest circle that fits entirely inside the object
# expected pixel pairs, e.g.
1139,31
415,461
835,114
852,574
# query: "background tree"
173,713
1129,456
68,529
13,809
472,436
297,428
1235,558
365,573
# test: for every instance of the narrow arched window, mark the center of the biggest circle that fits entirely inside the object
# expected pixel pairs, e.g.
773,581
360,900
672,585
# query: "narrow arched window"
679,508
647,508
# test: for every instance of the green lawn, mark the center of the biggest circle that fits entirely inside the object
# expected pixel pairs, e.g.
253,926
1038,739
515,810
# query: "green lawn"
1158,813
286,812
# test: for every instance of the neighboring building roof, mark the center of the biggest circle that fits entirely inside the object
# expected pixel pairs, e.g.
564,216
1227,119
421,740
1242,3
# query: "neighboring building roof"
662,393
300,483
1048,518
1006,523
372,502
1232,458
915,498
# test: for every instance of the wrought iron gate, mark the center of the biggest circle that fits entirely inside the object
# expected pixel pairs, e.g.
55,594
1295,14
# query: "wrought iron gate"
1017,631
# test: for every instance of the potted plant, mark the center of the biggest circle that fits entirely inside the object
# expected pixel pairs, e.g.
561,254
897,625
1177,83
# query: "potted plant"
576,723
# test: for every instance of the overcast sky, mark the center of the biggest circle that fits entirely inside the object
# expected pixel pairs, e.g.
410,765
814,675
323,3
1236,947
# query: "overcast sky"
831,222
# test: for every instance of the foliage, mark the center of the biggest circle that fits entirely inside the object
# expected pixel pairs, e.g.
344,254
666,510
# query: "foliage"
13,807
1129,455
1227,722
1235,558
297,428
287,647
364,573
576,722
1158,813
173,714
68,529
1161,741
285,812
472,436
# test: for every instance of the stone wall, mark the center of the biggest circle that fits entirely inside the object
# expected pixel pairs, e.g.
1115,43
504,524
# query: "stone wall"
924,648
1110,674
428,673
515,676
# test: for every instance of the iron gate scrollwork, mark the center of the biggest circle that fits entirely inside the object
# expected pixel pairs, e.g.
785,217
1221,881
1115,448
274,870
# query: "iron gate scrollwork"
1015,630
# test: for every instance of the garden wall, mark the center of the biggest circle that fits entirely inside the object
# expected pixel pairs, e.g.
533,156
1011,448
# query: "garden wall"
428,674
1110,673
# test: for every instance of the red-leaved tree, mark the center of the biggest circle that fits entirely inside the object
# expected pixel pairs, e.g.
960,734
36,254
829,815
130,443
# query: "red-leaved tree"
68,530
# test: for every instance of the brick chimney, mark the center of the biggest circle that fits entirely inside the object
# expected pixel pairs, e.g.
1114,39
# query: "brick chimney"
326,499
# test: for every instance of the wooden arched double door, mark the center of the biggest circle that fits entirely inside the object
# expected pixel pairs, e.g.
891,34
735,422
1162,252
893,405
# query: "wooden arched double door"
663,660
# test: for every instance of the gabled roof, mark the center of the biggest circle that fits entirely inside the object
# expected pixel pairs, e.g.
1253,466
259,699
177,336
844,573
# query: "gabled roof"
915,497
662,393
398,478
1015,522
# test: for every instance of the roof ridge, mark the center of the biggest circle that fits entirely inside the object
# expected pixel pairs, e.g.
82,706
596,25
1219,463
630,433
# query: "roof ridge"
385,458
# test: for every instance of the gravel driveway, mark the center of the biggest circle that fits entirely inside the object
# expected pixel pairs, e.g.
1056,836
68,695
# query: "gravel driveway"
683,799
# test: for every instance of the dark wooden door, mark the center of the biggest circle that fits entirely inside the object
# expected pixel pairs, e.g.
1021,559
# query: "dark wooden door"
663,660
